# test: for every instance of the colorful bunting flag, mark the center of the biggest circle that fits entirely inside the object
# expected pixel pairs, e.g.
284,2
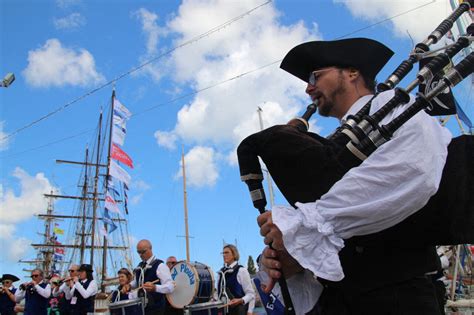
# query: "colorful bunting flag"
118,134
119,173
121,110
59,250
120,155
57,230
110,204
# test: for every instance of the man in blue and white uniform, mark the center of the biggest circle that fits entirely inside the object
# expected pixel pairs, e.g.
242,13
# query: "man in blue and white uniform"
36,294
154,277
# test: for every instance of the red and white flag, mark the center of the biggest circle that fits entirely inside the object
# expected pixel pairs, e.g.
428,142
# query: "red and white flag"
110,204
120,155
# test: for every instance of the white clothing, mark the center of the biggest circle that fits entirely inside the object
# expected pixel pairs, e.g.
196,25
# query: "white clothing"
394,182
46,292
243,278
85,293
163,273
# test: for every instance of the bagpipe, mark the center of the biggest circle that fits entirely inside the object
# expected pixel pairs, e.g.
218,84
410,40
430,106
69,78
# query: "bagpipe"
305,165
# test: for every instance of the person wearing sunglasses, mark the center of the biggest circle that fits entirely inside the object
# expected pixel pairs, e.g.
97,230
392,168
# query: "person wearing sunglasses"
153,278
82,294
63,291
36,294
339,237
7,294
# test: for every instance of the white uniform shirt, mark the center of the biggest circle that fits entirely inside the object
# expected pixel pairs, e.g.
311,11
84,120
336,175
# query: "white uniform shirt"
243,278
46,292
63,288
85,293
391,184
163,273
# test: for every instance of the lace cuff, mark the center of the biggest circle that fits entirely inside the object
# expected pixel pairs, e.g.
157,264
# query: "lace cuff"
313,244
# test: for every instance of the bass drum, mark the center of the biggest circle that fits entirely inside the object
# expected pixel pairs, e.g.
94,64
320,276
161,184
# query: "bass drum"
194,283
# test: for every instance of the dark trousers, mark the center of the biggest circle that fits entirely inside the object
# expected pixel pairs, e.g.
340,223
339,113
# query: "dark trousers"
413,297
238,310
155,312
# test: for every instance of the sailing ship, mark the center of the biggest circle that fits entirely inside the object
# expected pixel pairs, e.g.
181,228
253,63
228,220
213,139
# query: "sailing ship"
97,230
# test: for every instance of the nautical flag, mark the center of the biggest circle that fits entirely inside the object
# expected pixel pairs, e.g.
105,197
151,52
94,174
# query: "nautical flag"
111,227
119,121
125,199
118,134
106,217
120,155
111,185
119,173
110,204
121,110
57,230
443,104
58,257
270,301
59,250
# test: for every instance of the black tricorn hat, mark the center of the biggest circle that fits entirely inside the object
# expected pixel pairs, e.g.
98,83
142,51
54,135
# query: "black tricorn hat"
86,267
7,276
366,55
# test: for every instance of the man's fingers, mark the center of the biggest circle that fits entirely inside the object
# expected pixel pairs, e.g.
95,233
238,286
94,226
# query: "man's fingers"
267,288
264,217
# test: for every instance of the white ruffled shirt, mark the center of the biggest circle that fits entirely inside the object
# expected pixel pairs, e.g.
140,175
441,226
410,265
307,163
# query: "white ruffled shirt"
391,184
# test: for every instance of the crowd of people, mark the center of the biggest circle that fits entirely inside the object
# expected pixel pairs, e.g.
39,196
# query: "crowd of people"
145,288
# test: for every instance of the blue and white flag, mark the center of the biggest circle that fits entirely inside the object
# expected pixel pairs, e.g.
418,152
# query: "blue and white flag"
119,173
110,204
121,110
118,134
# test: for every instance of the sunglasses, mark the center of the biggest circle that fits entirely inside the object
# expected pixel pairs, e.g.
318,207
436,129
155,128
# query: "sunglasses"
6,282
72,270
143,251
315,75
34,276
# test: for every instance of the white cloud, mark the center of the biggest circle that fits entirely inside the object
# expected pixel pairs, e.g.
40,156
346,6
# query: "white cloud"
73,20
222,116
30,200
3,141
201,168
56,65
64,4
140,185
7,230
17,248
419,23
152,32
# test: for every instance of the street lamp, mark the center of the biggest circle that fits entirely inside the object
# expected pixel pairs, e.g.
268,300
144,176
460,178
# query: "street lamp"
7,80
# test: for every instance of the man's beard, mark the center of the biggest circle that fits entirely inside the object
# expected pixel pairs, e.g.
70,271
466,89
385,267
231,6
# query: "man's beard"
329,103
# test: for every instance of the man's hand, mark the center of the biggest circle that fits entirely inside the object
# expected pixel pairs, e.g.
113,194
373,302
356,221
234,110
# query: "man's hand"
235,302
271,233
148,286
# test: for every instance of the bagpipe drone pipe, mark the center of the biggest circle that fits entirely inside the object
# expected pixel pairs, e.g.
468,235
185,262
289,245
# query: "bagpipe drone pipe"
305,165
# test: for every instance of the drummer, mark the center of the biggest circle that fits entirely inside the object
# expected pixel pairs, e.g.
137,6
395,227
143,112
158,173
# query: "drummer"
124,293
234,283
154,277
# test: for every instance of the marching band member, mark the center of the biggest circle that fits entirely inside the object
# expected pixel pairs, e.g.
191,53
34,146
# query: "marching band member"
36,293
7,294
124,292
82,294
359,273
234,283
155,278
63,291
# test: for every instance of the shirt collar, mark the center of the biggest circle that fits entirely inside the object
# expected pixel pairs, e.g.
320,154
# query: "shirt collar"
232,265
356,107
148,262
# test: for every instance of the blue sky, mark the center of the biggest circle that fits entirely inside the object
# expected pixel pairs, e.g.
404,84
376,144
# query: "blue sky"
62,50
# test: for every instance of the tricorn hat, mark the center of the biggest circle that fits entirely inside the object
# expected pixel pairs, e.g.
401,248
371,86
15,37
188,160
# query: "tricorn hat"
366,55
86,267
7,276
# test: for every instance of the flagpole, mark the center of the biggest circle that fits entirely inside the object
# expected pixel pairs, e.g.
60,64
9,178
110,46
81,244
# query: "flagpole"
95,193
185,205
84,209
104,253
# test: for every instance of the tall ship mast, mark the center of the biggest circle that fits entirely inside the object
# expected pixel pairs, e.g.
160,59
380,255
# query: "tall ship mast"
93,226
